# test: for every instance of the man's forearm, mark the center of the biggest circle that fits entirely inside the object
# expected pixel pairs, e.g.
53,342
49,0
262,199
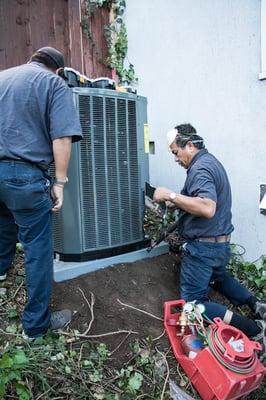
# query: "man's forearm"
61,152
198,206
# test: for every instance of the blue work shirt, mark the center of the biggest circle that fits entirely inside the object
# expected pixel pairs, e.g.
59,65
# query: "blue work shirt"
207,178
36,107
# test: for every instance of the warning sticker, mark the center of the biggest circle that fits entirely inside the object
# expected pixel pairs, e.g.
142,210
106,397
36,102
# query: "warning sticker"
146,138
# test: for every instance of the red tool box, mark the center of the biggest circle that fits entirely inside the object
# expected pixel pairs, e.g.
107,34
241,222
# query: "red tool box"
211,379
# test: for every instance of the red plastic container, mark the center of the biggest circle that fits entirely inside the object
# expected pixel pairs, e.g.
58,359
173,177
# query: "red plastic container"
210,378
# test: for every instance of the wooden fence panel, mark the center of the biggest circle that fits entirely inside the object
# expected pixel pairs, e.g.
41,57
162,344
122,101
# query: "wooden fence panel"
95,50
26,25
75,37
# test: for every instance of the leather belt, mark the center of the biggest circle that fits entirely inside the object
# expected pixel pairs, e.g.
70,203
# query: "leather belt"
24,162
14,160
215,239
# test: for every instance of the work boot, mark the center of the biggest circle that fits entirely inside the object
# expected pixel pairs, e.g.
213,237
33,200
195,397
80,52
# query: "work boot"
261,338
2,277
60,319
30,339
260,309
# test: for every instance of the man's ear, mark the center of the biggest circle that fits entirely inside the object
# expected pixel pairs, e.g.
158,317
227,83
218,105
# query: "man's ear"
190,145
60,72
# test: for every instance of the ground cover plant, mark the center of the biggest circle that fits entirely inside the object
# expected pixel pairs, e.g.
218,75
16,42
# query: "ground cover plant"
75,364
115,349
54,369
251,274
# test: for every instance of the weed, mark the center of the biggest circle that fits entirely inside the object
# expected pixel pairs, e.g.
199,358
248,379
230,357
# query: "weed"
252,275
53,367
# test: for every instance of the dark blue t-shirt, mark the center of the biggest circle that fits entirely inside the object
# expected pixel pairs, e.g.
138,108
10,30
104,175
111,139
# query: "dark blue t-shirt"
207,178
36,107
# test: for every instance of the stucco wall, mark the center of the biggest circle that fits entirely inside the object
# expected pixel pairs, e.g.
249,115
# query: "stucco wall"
198,61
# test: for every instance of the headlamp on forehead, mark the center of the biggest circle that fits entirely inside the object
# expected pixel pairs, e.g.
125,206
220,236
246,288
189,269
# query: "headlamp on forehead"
183,138
196,140
171,135
190,137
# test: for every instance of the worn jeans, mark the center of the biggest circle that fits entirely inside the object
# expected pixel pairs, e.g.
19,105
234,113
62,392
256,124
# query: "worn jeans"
203,265
25,212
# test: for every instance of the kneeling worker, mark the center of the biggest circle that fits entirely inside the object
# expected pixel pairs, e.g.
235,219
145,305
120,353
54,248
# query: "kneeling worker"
205,224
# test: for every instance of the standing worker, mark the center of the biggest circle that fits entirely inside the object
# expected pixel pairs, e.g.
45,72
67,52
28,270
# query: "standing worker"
38,123
205,224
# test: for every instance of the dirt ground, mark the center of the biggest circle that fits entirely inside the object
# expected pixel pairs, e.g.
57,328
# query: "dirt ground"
144,284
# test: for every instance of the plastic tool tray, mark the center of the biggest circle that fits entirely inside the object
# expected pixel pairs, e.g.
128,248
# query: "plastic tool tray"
210,378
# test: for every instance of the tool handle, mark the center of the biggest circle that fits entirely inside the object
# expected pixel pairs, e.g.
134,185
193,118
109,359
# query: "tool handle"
168,308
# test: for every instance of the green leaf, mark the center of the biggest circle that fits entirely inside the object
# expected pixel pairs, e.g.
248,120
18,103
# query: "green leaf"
99,396
135,382
6,361
3,381
88,364
11,328
260,282
2,388
67,369
12,312
19,247
96,376
23,392
20,358
135,347
110,396
103,351
19,279
14,375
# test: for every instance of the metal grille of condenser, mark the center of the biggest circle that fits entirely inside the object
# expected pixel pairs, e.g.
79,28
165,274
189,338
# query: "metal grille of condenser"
108,184
109,169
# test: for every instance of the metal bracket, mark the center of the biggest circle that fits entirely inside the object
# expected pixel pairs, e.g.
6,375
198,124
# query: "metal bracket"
262,193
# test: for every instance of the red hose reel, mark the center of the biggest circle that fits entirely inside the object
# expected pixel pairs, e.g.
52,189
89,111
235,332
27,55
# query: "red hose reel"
241,362
218,371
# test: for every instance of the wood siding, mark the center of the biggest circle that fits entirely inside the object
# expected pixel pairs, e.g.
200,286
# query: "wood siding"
26,25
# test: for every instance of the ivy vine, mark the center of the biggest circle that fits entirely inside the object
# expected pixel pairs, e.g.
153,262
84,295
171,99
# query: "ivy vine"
116,37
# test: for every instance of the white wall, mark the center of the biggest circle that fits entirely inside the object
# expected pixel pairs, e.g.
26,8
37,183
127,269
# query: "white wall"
198,61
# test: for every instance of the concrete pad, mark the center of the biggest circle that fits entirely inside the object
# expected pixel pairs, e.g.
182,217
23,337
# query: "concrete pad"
69,270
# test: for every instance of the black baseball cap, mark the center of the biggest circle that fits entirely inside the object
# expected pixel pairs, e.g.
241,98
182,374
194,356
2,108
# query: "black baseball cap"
54,54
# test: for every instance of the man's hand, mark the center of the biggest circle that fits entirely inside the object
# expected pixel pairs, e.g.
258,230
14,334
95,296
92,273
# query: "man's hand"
161,194
57,193
170,206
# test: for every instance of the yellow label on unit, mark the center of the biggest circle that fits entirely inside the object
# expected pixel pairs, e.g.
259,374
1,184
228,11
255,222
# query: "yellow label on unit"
146,138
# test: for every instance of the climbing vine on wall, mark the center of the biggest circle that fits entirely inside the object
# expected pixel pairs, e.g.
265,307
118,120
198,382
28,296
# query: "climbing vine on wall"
116,36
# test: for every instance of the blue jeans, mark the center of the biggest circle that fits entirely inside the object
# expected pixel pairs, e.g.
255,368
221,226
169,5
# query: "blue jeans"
203,264
25,212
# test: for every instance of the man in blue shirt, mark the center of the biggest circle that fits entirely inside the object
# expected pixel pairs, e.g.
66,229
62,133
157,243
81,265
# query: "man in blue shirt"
38,123
205,224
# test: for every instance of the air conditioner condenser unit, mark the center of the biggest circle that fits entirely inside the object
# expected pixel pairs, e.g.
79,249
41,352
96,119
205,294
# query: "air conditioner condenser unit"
104,201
